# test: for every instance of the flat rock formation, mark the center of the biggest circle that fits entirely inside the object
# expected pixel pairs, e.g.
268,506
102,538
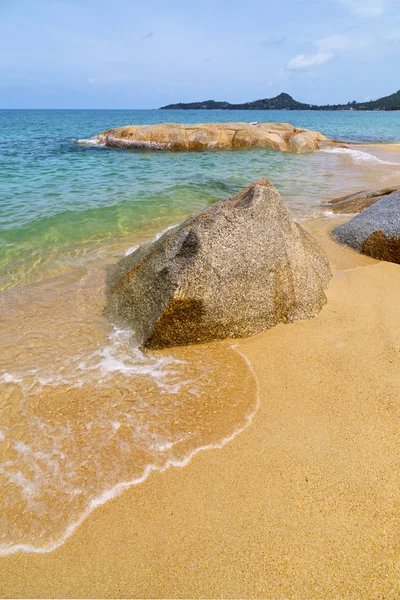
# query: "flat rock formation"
355,203
375,231
206,136
237,268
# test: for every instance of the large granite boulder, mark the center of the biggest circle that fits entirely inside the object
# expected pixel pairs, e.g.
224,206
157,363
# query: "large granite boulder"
302,142
375,231
355,203
238,267
207,136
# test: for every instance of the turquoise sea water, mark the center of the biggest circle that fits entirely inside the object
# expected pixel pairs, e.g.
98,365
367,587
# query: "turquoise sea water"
84,413
60,201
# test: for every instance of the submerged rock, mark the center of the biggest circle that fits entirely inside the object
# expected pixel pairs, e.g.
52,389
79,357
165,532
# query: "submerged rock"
355,203
375,231
237,268
206,136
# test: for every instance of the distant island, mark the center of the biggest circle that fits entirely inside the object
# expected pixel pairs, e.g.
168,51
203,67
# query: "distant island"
286,102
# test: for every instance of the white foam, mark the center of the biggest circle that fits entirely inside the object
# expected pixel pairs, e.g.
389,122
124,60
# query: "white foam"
123,356
156,237
130,250
161,233
120,356
358,156
116,490
10,378
93,141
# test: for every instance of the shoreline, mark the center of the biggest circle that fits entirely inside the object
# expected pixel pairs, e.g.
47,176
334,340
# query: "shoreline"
301,503
388,147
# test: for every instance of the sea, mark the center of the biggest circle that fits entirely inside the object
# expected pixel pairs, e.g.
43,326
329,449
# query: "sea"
84,413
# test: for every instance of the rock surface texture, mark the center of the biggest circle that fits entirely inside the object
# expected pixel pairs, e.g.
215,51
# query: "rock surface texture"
355,203
237,268
207,136
375,231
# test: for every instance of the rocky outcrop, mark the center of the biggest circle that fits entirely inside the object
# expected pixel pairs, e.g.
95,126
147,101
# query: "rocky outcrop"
302,142
375,231
237,268
355,203
207,136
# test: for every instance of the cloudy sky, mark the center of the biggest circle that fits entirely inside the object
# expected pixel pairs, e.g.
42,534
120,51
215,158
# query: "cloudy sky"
131,54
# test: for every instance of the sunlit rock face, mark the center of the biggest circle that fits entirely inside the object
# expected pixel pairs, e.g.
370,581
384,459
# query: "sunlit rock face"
237,268
207,136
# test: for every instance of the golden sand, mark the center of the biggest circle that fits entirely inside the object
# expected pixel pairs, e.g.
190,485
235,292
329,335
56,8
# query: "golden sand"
387,147
303,504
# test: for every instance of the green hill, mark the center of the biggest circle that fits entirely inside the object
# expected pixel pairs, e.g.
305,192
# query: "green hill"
286,102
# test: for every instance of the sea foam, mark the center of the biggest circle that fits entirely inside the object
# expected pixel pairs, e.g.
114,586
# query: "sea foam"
359,157
98,424
116,490
93,141
158,235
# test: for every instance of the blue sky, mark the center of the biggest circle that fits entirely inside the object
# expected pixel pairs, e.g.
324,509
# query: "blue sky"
130,54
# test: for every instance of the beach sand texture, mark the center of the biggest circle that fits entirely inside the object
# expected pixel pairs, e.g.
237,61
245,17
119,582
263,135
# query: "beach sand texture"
303,504
387,147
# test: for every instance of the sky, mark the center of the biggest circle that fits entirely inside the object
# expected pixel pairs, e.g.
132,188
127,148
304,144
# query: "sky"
131,54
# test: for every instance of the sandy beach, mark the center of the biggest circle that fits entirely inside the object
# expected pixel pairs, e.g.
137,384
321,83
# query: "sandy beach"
302,504
200,300
387,147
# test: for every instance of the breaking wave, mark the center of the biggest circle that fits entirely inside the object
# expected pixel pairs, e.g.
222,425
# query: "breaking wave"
359,157
85,414
93,141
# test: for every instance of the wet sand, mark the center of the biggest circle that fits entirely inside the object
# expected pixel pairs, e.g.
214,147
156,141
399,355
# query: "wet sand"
387,147
302,504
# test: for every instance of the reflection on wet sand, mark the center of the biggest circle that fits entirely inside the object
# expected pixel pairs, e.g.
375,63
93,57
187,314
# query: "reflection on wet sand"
85,413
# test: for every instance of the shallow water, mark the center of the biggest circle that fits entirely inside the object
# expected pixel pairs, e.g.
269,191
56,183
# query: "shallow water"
84,413
61,203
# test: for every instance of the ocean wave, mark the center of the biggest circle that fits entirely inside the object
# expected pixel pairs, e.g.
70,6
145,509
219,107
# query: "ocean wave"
120,356
88,426
158,235
359,157
130,250
93,141
117,489
161,233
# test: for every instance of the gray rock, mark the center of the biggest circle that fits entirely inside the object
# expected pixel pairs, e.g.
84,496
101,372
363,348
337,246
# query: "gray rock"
375,231
237,268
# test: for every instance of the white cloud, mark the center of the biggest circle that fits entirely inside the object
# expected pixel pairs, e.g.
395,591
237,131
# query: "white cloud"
327,48
365,8
301,62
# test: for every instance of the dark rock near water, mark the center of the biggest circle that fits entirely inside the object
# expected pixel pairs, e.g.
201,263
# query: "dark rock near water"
375,231
237,268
